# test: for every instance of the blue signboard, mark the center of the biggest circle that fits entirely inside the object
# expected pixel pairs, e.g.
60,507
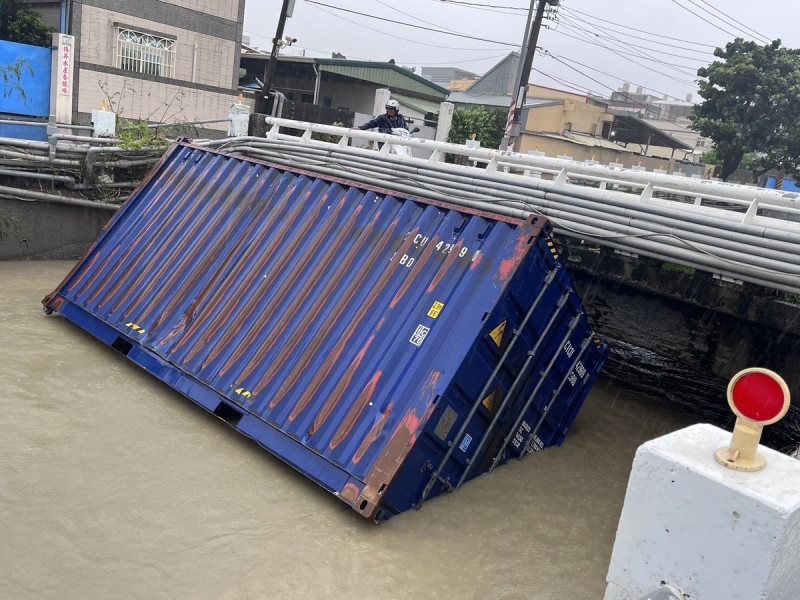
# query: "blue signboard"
787,185
28,92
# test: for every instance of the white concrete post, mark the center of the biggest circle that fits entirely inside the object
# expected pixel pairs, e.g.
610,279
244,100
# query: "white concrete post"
62,74
382,96
239,116
445,121
706,530
104,122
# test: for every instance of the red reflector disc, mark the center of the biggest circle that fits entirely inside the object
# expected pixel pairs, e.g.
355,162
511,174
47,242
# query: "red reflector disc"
758,396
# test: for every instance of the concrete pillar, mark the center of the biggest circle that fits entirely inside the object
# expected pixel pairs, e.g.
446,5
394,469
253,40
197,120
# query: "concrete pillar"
62,77
104,122
445,121
239,116
382,96
707,531
256,125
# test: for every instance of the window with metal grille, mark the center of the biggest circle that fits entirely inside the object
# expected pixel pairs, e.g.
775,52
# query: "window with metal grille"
144,53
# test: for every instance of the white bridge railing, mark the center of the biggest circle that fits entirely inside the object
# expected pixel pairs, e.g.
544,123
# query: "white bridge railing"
737,233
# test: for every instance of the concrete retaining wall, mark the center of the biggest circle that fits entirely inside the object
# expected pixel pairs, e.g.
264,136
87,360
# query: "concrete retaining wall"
44,230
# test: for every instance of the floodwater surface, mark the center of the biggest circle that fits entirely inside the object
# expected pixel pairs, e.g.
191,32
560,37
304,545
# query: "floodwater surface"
114,486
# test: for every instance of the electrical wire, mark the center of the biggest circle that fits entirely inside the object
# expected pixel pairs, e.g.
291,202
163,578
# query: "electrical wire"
687,9
413,16
727,16
613,76
572,85
488,7
623,55
583,22
573,10
461,35
592,38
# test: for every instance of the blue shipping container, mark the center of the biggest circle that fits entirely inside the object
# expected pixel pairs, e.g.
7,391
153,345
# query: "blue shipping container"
390,348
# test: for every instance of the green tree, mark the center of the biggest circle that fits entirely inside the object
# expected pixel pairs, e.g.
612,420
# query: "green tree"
752,104
23,26
486,125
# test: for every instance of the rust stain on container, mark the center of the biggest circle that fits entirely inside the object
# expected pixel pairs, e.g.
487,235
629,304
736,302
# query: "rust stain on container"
346,329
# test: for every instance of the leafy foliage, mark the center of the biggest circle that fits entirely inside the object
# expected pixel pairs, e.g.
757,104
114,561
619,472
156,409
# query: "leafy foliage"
752,161
11,76
712,158
137,136
752,104
328,137
23,26
485,124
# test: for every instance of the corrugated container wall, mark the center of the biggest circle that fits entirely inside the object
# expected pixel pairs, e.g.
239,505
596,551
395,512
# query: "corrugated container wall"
389,348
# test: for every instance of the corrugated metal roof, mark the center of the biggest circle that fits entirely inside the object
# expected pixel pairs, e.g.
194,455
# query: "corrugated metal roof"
633,130
582,140
495,100
500,78
347,330
390,75
422,106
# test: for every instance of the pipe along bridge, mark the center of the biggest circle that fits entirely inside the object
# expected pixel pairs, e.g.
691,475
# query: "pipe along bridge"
737,233
689,280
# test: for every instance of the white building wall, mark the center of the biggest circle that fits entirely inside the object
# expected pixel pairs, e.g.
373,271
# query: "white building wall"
356,96
227,9
153,101
215,56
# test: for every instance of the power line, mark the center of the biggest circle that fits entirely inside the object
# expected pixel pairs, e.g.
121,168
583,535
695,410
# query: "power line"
413,62
703,18
641,48
635,29
402,38
462,35
637,50
483,6
623,55
557,59
593,38
727,16
567,83
703,52
412,16
612,76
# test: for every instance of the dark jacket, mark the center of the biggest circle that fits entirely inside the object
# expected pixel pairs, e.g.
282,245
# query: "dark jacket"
385,124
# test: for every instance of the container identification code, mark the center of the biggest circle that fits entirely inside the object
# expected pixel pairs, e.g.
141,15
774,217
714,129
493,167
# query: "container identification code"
579,372
419,335
519,437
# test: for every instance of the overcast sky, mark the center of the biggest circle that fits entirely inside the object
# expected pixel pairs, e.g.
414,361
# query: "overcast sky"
592,45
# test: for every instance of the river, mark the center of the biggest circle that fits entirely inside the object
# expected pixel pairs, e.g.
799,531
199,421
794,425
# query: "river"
114,486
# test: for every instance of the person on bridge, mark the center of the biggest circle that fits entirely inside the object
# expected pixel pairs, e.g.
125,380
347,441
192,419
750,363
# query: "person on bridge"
389,120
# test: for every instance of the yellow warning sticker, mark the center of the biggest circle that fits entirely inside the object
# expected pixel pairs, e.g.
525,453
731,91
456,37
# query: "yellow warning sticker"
488,402
135,327
243,392
437,307
497,333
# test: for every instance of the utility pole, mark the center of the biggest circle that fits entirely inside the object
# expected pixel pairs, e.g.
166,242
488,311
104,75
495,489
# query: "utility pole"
513,124
263,102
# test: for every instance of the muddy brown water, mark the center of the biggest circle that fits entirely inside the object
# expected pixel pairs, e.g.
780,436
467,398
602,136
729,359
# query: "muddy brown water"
114,486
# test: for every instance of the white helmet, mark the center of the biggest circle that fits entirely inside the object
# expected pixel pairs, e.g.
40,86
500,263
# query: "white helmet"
393,104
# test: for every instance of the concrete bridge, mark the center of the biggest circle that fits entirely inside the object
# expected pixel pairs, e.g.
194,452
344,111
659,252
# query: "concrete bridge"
689,280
